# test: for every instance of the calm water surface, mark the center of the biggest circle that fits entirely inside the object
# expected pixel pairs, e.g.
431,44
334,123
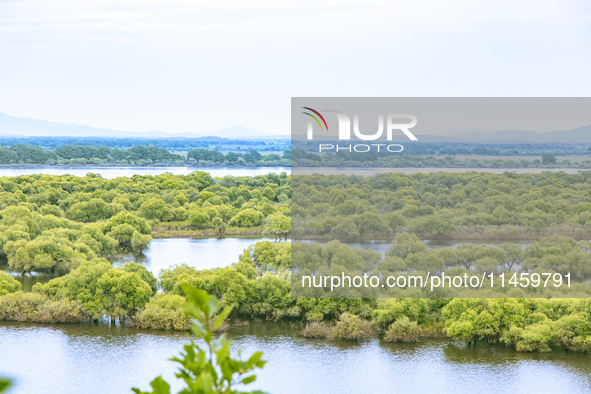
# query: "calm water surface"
164,253
101,359
203,253
208,253
115,172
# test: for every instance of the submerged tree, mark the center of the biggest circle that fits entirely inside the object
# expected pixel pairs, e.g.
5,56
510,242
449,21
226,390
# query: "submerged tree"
278,226
220,226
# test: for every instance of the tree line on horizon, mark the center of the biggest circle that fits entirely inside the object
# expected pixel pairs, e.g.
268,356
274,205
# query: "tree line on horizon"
140,155
418,148
406,159
170,143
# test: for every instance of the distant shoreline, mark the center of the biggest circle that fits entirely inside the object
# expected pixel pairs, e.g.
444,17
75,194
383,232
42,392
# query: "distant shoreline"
16,166
154,165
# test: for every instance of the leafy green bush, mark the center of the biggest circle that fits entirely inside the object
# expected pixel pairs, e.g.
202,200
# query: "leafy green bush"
351,327
163,312
31,307
527,324
247,218
391,310
210,370
403,330
4,385
348,327
316,329
277,225
101,289
199,218
8,284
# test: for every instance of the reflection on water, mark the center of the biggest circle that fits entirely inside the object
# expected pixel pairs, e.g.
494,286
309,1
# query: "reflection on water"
206,253
163,253
109,359
202,253
114,172
28,280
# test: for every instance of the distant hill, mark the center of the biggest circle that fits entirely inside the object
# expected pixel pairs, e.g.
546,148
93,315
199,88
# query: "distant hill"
234,132
580,135
15,126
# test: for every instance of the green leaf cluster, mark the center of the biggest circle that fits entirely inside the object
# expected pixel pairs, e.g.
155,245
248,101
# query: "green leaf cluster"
209,369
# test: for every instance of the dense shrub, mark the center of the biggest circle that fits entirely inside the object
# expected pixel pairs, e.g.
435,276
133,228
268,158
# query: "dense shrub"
247,218
348,327
316,329
8,284
439,204
31,307
403,330
101,289
527,324
351,327
163,312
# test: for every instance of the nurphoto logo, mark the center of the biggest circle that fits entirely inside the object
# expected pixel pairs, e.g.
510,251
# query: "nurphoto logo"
345,130
345,125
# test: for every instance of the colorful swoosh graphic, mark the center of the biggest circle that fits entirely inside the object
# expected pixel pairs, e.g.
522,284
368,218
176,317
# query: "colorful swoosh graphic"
315,118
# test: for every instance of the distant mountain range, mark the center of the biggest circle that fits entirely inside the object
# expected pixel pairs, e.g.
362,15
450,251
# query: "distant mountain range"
581,135
15,126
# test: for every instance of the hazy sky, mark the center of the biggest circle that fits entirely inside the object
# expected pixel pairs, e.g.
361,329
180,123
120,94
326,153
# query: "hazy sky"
197,66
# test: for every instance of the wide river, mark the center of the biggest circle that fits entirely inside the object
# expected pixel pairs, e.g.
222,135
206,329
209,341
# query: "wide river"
89,359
